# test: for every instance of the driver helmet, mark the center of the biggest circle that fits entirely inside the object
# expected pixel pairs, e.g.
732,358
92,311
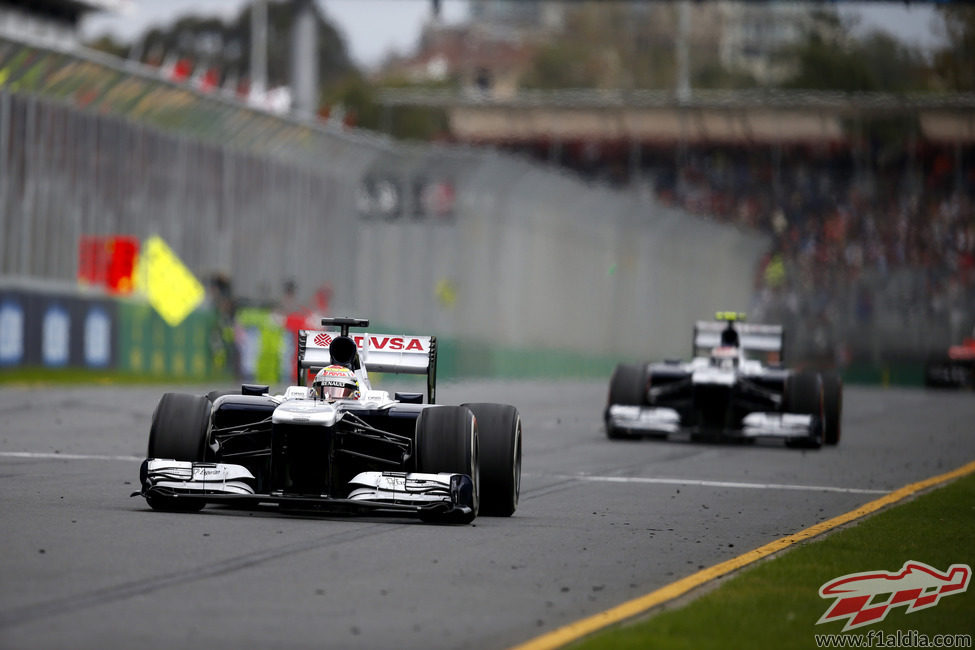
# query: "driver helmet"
724,356
729,336
336,382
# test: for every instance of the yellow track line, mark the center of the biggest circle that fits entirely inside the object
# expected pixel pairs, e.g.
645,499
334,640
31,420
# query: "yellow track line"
574,631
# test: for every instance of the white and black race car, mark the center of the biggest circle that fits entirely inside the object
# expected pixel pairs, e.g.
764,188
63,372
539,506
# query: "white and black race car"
367,452
724,392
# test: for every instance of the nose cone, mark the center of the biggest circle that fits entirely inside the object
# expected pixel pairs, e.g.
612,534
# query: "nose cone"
305,413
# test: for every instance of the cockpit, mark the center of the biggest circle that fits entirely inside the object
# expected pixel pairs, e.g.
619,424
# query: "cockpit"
725,357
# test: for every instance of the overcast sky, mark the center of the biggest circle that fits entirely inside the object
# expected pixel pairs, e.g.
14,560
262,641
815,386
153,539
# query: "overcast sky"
373,28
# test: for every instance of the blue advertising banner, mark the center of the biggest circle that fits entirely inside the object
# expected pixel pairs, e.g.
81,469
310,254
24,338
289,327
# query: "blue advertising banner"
56,330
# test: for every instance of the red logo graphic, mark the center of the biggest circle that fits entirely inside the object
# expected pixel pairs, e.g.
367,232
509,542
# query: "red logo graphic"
390,343
322,339
916,585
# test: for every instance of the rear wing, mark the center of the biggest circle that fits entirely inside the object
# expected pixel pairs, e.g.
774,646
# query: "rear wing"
752,337
395,353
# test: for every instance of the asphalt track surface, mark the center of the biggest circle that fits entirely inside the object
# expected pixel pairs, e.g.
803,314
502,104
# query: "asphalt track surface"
600,522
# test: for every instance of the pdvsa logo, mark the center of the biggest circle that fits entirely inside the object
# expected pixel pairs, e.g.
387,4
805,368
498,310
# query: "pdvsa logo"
866,598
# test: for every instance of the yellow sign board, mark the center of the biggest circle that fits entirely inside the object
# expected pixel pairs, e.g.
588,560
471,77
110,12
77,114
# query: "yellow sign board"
172,289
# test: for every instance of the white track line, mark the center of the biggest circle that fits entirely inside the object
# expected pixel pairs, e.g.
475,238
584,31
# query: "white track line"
720,484
52,455
576,477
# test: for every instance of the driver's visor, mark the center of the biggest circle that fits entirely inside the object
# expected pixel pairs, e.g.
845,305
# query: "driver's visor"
337,392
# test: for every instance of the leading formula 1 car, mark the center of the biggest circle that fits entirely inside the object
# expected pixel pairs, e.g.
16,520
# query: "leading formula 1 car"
338,446
723,392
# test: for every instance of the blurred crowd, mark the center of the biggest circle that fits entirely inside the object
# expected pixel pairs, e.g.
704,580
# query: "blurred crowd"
869,247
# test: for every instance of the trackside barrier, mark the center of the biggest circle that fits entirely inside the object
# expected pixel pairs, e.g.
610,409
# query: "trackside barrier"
474,246
466,244
58,327
147,345
55,327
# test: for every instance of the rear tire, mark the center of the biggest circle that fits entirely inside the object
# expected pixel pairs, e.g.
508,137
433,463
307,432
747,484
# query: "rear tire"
832,407
179,430
627,387
499,444
446,441
804,395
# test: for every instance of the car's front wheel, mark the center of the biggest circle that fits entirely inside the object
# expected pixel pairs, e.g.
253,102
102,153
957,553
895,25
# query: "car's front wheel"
627,387
804,395
178,432
499,444
447,441
832,407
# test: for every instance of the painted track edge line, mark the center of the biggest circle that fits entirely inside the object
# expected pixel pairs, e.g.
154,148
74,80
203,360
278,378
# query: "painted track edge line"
583,627
43,455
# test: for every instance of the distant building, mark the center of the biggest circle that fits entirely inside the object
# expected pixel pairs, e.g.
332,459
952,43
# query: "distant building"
497,45
518,17
50,22
477,57
754,35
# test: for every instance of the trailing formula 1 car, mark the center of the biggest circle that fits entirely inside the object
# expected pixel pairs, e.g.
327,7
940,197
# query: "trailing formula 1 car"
956,369
337,446
724,392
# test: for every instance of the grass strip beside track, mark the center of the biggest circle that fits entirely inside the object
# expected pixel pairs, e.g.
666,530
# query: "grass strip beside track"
776,604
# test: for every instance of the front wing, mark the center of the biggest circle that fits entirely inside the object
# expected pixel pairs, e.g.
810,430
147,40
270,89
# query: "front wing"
661,421
444,497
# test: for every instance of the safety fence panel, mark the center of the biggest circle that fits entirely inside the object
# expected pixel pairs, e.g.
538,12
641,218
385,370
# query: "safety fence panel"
481,247
540,260
65,175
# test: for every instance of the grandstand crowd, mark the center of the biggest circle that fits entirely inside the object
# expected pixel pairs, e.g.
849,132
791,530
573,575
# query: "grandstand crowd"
864,240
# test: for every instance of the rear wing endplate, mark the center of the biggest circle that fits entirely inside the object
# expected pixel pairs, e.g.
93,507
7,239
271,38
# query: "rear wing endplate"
752,337
394,353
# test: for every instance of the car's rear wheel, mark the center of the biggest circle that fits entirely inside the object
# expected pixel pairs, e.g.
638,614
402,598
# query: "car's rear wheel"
627,387
179,432
804,395
832,407
447,441
499,445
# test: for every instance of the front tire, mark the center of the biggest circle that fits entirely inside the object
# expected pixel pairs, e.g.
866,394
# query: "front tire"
447,441
627,387
832,407
804,395
179,430
499,444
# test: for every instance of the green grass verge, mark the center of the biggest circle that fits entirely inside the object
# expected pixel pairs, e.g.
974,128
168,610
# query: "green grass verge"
775,604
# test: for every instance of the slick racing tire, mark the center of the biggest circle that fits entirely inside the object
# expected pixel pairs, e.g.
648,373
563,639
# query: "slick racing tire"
627,387
804,395
629,383
499,444
447,441
832,407
179,432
